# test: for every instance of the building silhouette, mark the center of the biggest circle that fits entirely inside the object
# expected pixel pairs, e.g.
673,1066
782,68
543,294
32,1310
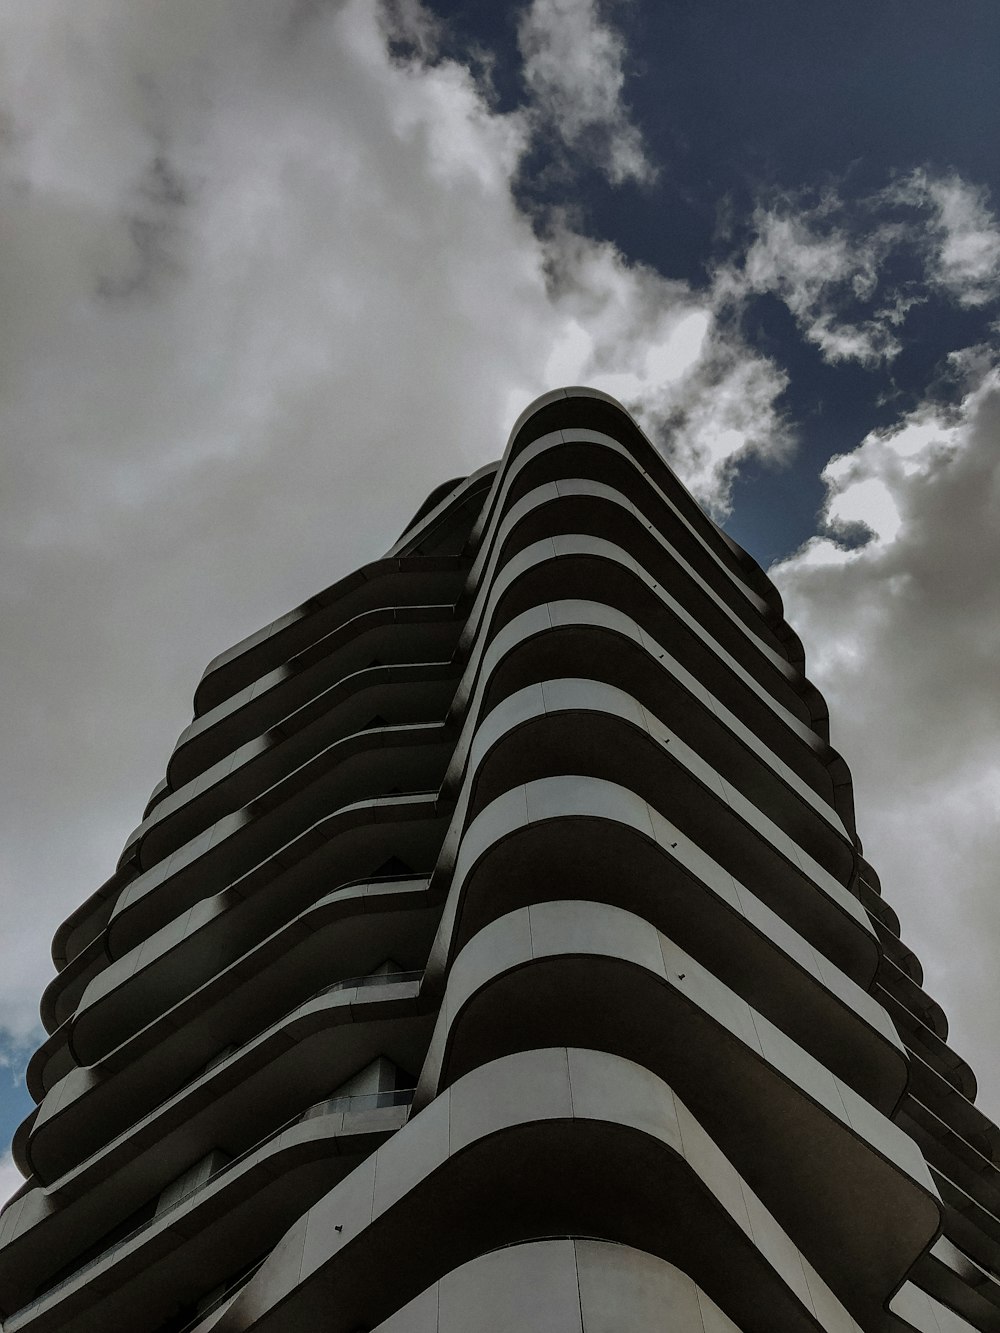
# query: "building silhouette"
498,953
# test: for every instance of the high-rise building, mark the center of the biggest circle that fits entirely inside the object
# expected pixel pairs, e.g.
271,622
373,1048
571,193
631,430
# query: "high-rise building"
499,953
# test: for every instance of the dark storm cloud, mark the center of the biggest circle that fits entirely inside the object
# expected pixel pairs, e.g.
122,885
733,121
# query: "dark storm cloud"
152,225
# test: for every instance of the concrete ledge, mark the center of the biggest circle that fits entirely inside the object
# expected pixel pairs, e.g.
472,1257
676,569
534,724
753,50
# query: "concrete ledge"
837,1173
363,921
392,634
576,828
637,518
602,1148
854,1036
565,1286
152,906
146,1275
418,580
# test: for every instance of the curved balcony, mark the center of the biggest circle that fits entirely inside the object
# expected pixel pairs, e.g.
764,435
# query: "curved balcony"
156,795
563,1285
446,517
682,891
410,694
624,634
84,924
49,1062
584,507
574,509
583,726
357,925
564,421
302,773
293,712
356,833
949,1153
929,1048
416,581
586,974
572,829
934,1091
63,993
857,1043
875,905
901,986
605,1150
898,953
553,640
19,1152
389,635
543,495
572,566
315,1047
247,1203
365,767
595,759
958,1282
577,728
968,1223
922,1313
576,414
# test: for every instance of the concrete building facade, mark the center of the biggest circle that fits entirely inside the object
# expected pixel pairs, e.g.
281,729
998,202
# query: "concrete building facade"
499,953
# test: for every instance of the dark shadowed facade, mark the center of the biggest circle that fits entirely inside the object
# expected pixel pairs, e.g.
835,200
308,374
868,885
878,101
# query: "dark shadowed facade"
498,953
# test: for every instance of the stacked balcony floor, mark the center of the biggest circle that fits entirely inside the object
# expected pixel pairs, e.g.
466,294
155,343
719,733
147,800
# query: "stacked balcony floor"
499,939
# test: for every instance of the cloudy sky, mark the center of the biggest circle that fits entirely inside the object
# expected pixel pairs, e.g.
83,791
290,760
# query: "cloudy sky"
270,269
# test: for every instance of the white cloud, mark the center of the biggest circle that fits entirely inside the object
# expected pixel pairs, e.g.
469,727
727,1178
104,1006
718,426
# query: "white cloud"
271,285
574,67
903,637
830,260
821,268
868,501
962,238
672,357
411,24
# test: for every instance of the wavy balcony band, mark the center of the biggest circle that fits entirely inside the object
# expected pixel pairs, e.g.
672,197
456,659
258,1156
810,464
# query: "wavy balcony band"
499,951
